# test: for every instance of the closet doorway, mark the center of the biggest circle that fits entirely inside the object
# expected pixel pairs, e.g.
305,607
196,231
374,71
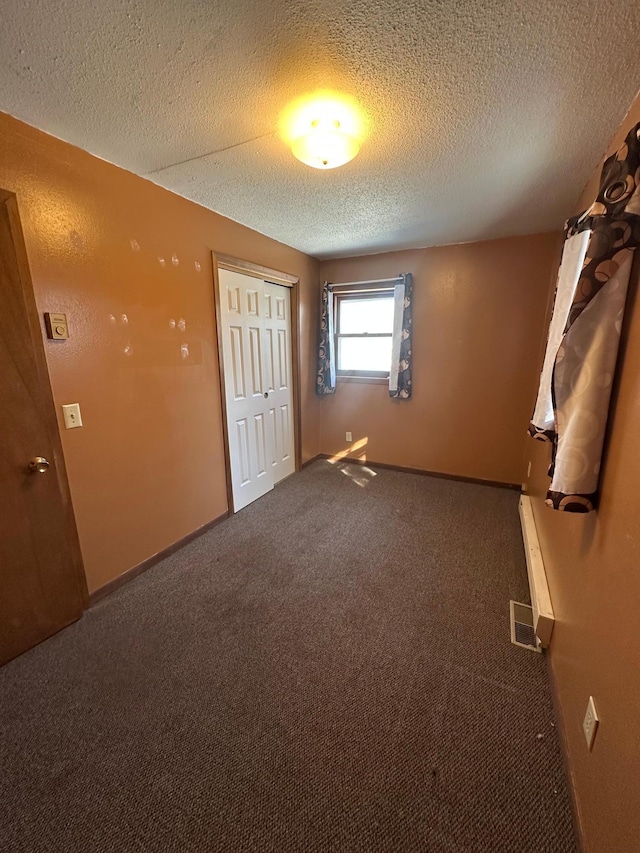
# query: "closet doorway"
256,311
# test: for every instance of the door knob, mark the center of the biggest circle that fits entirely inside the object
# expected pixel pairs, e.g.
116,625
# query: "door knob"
38,465
266,394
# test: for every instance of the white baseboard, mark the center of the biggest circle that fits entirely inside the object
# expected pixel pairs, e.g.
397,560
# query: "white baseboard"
543,618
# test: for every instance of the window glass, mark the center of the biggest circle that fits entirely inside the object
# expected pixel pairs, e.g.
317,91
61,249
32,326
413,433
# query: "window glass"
364,353
374,316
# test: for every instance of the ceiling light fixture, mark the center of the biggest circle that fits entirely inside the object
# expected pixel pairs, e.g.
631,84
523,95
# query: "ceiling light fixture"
326,145
324,129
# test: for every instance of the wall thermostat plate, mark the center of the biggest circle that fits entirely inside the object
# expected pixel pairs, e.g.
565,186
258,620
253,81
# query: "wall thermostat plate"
57,326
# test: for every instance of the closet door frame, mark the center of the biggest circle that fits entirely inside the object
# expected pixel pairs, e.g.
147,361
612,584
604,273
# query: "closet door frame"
227,262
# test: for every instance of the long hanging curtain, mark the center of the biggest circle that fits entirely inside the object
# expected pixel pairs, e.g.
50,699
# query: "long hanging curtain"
326,378
401,357
582,348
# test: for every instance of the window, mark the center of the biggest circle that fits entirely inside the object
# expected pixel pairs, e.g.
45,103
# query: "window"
364,332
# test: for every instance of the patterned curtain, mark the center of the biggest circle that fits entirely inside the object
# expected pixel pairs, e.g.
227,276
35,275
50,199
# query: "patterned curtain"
401,358
582,348
326,378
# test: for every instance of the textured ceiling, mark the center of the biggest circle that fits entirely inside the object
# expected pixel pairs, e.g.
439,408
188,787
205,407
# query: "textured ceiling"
486,116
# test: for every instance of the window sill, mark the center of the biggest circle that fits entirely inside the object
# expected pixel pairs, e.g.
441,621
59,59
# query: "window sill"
366,380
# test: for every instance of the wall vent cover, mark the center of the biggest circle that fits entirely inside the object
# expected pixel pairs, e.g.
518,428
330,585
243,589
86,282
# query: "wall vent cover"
522,631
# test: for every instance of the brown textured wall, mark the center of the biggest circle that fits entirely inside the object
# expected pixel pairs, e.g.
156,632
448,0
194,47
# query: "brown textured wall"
593,569
147,467
479,310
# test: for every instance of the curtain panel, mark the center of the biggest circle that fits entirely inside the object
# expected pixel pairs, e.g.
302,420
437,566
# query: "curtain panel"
326,376
582,347
401,356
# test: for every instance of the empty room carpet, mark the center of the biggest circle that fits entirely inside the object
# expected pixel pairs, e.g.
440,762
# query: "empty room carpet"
329,670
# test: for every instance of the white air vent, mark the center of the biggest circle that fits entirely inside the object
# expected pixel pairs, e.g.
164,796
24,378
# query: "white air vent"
522,630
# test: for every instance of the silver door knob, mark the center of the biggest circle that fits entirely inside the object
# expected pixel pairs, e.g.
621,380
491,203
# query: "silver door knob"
38,465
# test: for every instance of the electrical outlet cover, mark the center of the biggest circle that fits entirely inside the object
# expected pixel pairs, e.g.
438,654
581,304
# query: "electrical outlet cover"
590,723
349,436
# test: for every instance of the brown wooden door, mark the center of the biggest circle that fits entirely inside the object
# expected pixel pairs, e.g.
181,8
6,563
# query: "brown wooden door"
42,585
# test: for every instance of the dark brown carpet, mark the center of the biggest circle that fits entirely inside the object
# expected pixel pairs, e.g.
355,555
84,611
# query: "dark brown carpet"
330,670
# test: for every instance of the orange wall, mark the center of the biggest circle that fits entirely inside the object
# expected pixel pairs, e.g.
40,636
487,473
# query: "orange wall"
593,569
147,467
478,317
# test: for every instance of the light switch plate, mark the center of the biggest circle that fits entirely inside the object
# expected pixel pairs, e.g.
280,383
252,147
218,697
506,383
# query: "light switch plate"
72,416
348,436
590,723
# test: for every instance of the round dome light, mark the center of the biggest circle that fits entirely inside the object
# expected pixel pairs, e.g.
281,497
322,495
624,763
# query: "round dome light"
325,146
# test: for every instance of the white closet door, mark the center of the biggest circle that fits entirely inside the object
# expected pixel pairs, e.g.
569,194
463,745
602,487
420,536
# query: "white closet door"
242,303
277,323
